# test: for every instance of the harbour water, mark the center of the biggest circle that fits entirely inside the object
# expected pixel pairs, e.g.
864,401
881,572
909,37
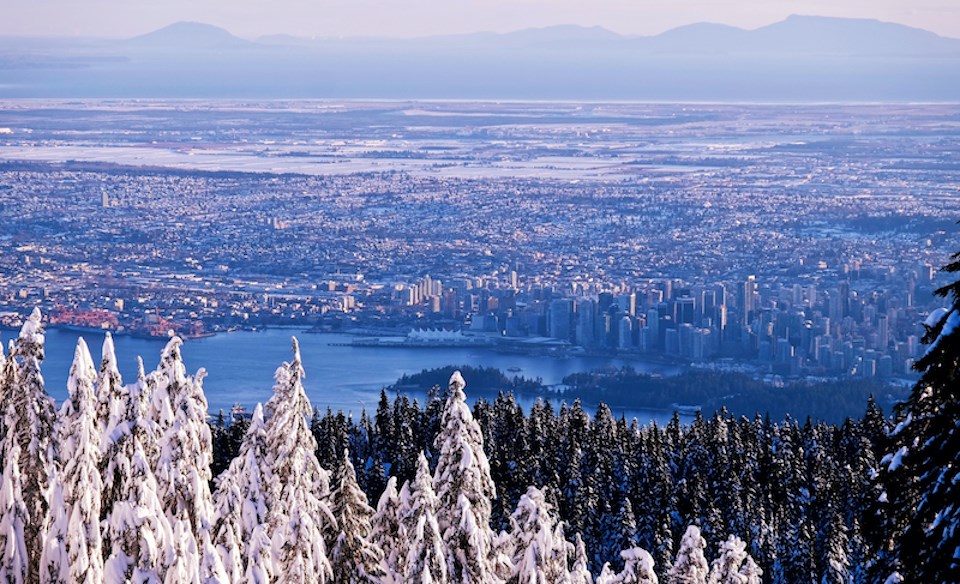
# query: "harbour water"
240,366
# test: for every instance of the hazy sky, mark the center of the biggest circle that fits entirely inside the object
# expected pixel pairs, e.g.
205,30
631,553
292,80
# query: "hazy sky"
408,18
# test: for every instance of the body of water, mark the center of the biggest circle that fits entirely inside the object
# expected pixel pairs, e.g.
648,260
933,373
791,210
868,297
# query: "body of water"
240,366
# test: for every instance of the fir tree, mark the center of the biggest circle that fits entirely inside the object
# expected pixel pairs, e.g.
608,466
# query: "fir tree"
297,504
259,558
922,490
539,548
137,536
751,572
425,559
110,390
54,562
354,556
240,501
30,421
469,548
9,380
726,569
387,531
690,565
79,437
464,487
579,572
637,569
185,453
14,517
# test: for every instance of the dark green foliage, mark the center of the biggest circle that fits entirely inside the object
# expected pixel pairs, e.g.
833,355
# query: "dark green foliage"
799,495
830,401
483,380
919,472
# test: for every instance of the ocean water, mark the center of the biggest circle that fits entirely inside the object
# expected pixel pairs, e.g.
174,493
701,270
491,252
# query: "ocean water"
240,366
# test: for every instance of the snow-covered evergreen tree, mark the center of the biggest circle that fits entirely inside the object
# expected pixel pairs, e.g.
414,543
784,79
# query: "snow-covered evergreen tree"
183,564
54,561
299,515
30,422
9,379
354,556
79,437
469,549
690,566
579,572
386,531
751,572
137,535
14,517
606,575
240,503
185,452
110,389
637,568
538,546
463,485
920,469
228,504
726,569
211,562
425,561
170,382
259,557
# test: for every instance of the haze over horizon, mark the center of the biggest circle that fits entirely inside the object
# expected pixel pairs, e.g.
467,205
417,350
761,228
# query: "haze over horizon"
388,18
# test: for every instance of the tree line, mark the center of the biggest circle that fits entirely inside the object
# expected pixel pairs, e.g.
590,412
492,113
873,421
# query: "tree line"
131,483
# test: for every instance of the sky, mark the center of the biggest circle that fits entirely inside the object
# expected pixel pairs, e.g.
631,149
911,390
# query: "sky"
413,18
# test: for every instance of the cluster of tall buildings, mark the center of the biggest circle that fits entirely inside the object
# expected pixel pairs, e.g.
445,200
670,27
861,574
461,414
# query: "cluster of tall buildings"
867,327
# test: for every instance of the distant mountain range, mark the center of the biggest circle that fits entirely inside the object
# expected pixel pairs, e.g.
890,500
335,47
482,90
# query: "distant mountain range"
801,58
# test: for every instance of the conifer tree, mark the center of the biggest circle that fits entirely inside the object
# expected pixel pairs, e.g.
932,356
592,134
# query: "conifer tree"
9,379
922,490
14,517
726,569
579,572
259,557
606,575
387,531
637,569
690,565
469,548
240,501
751,572
54,562
79,436
354,556
425,561
298,512
537,542
30,421
110,389
136,533
185,453
464,487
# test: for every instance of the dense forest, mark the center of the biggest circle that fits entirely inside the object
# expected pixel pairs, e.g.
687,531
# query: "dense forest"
799,493
132,483
831,400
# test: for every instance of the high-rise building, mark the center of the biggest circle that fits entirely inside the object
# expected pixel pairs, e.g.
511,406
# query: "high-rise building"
586,323
883,332
625,336
748,299
653,325
560,317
